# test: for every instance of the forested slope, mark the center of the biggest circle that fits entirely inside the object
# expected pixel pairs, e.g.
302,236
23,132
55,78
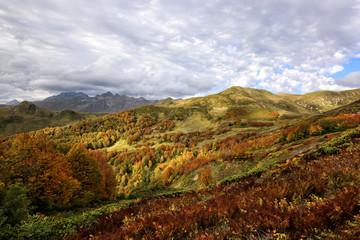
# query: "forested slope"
242,172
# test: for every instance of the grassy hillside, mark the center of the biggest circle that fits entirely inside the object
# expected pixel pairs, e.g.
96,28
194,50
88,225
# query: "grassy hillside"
231,167
287,105
324,100
26,117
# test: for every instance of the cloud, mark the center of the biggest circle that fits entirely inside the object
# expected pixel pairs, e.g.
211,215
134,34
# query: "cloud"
351,80
164,48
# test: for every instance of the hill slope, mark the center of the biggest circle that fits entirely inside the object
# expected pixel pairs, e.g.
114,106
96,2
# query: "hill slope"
26,117
254,100
298,181
265,176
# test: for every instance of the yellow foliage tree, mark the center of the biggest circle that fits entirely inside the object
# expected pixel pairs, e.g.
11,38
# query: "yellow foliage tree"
315,129
206,176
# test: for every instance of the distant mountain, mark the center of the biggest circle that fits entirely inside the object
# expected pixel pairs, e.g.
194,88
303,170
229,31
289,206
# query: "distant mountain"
101,103
13,102
105,95
65,96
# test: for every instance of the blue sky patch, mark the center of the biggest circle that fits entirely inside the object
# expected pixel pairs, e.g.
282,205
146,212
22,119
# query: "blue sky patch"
353,65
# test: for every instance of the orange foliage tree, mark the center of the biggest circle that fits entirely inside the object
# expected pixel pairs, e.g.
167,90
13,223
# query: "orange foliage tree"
43,170
108,175
87,171
315,130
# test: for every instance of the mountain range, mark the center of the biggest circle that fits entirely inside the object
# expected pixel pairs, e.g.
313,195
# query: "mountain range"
101,103
259,104
287,105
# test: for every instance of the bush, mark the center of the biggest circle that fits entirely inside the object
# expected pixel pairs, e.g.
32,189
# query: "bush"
40,227
13,204
334,145
13,207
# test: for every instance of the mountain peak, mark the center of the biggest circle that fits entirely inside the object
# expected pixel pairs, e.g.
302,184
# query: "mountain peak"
12,102
67,95
24,107
244,90
107,94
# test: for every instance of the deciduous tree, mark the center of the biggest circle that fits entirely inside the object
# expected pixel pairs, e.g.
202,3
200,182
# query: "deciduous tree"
206,176
87,171
43,170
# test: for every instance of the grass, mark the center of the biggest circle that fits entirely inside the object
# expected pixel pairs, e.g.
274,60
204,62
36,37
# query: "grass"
196,122
120,145
155,192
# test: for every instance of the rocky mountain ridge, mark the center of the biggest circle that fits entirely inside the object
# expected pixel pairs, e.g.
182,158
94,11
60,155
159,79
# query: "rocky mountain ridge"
101,103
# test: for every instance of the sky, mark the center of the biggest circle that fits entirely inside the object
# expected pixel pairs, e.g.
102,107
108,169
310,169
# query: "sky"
177,48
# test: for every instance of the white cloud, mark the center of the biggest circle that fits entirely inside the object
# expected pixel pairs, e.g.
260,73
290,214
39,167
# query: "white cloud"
351,80
174,48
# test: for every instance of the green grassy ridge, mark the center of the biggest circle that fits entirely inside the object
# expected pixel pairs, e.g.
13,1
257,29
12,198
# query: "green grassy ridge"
326,100
26,117
311,103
